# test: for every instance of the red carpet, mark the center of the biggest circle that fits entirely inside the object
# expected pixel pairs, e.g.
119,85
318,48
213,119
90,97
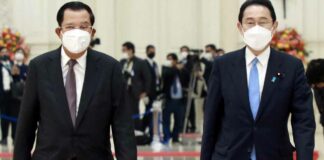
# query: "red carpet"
159,154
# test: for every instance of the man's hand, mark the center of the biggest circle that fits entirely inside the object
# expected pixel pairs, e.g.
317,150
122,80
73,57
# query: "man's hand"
15,70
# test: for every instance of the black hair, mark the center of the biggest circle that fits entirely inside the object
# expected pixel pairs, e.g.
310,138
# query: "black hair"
220,49
75,6
173,56
149,47
212,46
129,46
95,42
185,47
265,3
315,71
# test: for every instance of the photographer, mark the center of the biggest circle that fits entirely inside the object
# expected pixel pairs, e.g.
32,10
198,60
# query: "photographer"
175,78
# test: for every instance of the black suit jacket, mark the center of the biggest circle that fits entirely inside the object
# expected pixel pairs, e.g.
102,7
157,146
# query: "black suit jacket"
45,109
153,88
208,68
141,80
1,85
319,98
168,76
229,128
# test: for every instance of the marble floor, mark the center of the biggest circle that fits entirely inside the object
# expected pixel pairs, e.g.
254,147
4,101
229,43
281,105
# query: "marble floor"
192,148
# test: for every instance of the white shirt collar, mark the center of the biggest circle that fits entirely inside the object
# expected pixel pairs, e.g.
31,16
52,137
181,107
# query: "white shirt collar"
81,60
263,57
150,60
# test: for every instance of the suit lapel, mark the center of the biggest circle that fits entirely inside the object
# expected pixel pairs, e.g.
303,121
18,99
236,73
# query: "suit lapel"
89,85
239,77
56,78
269,86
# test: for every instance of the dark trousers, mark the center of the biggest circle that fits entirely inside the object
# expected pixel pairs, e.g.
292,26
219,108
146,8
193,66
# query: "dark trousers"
191,125
10,107
177,108
148,119
133,103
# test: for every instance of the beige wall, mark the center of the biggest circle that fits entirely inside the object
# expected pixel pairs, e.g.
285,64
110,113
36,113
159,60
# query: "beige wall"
168,24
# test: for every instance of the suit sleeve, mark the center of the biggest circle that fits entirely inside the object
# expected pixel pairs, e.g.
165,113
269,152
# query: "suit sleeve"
319,101
122,124
147,78
212,114
28,117
302,121
168,75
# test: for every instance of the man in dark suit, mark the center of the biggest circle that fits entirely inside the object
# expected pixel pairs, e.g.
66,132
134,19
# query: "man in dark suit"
138,78
251,94
73,95
175,78
155,88
207,60
315,77
6,66
2,71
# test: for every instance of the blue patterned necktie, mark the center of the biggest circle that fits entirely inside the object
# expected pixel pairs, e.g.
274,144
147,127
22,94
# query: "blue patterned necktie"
254,94
254,88
174,86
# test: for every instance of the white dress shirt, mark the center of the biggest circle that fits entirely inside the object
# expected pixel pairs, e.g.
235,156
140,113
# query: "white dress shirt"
151,61
6,79
262,65
79,70
156,69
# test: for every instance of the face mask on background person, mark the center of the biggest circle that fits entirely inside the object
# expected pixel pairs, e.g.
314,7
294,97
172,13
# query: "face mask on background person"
257,37
19,58
207,56
76,40
5,58
151,55
125,55
167,63
184,55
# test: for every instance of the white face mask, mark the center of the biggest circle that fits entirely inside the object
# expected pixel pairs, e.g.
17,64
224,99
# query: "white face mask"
207,56
184,55
76,40
19,56
257,37
125,55
167,63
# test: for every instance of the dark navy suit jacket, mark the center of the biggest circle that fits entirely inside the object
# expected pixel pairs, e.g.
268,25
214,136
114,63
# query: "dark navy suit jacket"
102,108
229,128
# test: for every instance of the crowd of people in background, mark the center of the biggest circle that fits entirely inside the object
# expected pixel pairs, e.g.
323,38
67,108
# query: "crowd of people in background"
13,74
146,82
175,82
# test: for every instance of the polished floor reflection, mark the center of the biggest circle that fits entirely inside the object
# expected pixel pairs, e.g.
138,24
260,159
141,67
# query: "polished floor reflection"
188,151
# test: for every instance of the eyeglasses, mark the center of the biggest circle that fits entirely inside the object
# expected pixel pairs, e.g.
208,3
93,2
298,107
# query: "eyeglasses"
82,27
265,24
